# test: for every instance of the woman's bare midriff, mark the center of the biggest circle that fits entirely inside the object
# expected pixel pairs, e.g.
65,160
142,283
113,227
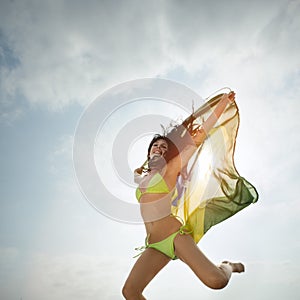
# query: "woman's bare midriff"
162,227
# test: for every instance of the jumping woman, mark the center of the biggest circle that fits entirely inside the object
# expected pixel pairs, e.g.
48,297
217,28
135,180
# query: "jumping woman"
168,236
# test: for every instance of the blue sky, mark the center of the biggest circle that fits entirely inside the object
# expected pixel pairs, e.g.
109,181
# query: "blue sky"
56,57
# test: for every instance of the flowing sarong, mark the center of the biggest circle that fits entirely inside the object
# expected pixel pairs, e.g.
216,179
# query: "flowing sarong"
214,190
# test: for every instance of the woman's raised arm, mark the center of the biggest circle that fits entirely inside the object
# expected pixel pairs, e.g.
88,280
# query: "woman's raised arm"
201,133
208,124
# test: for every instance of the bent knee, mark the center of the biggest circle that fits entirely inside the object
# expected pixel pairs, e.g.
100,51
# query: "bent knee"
130,292
127,291
217,282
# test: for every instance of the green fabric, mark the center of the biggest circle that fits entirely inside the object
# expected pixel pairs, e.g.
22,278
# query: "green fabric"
219,209
215,191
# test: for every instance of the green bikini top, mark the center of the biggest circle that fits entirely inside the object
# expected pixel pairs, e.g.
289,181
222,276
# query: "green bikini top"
156,185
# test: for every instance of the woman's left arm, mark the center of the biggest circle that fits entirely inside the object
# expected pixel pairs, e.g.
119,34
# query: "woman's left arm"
208,124
177,163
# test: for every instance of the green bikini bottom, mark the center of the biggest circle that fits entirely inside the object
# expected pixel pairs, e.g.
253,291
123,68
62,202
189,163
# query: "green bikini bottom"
166,246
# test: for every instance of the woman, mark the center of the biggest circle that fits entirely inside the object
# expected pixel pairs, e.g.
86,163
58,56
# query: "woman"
167,237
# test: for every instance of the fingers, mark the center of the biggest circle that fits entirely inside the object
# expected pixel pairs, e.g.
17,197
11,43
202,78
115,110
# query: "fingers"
139,170
231,97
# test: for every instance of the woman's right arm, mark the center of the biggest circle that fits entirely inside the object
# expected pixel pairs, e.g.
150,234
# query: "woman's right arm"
138,175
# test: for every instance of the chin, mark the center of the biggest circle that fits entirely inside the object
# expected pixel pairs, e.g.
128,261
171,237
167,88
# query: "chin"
155,155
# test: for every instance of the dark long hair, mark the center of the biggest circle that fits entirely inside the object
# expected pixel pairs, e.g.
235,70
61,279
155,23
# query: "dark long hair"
177,139
172,149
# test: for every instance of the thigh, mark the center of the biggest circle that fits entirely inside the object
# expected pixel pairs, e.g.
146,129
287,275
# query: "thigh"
146,267
188,252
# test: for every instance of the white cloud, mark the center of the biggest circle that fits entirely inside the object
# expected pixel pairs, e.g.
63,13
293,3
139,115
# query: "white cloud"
69,52
60,158
75,276
9,114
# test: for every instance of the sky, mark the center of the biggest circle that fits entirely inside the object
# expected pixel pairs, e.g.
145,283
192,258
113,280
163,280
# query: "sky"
58,57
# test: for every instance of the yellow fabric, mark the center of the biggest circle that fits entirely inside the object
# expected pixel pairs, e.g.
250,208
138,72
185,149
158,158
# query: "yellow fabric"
215,191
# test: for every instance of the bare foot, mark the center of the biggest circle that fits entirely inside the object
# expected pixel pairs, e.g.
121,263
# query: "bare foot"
236,267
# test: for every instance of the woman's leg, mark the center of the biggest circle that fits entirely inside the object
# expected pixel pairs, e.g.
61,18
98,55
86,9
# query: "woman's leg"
215,277
144,270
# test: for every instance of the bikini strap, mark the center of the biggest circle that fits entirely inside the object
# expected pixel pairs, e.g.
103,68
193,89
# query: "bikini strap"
183,231
184,226
142,248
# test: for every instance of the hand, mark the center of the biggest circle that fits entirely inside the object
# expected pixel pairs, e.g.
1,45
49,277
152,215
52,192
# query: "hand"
231,97
139,170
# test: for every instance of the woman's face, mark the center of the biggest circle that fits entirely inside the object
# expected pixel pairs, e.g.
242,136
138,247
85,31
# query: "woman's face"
159,148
